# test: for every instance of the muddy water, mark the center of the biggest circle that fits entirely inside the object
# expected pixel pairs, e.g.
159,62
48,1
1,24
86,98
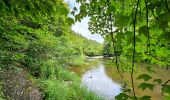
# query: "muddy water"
101,77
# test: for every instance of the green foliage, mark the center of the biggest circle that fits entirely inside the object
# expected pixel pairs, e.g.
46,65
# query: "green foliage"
159,81
85,46
144,86
59,92
152,26
166,89
108,47
145,98
33,10
36,36
66,75
66,88
145,77
122,96
70,21
139,31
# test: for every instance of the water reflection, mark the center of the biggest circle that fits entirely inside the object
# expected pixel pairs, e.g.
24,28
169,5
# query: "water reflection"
97,80
100,76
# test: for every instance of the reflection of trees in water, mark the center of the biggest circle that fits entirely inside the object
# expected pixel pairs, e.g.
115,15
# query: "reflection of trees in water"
112,73
81,69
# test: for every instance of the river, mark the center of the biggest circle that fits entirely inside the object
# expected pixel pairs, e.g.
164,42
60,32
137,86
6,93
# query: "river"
100,76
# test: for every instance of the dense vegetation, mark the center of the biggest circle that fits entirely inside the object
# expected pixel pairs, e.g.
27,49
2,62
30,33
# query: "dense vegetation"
36,36
137,31
36,39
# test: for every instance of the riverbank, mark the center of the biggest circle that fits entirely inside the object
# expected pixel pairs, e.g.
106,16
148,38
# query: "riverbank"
20,85
44,55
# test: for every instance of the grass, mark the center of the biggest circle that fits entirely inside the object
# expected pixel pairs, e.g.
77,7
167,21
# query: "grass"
67,87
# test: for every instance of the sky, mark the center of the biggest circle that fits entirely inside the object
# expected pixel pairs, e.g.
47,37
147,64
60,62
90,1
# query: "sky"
82,27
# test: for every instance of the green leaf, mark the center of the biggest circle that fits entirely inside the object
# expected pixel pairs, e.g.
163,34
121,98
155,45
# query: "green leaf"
63,10
159,81
82,7
145,98
165,36
78,17
150,70
163,52
111,9
122,20
73,12
70,21
145,77
102,2
144,30
164,17
122,96
144,86
166,89
75,9
120,36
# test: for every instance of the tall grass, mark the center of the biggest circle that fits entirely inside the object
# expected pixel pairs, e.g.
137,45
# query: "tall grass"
67,87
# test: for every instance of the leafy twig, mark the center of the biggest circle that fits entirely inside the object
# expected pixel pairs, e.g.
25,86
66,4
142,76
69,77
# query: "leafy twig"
163,85
166,82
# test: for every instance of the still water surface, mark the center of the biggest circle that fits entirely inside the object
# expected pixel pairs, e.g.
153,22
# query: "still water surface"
97,80
102,78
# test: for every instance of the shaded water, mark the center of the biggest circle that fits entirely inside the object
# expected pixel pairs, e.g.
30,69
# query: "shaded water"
102,78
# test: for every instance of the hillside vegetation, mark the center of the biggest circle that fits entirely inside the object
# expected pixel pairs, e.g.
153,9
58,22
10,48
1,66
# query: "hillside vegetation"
37,45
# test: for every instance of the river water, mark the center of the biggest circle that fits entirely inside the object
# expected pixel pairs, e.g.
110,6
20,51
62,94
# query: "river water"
97,80
101,77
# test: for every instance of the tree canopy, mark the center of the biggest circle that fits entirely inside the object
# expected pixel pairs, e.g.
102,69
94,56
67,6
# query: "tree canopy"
138,29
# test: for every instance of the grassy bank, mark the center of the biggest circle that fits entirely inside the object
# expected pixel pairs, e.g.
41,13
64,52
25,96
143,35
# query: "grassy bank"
66,87
45,58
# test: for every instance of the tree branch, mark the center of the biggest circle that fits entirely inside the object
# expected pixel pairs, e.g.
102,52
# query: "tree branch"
166,3
134,49
147,23
166,82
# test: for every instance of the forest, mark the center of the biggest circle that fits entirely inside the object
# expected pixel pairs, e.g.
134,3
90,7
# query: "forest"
42,58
